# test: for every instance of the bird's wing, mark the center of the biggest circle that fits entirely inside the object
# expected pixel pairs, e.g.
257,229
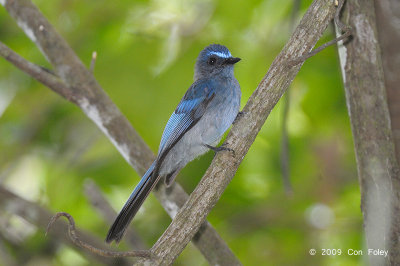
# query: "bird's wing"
189,111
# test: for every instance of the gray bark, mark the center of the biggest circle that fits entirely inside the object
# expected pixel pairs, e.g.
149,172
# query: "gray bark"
378,170
388,23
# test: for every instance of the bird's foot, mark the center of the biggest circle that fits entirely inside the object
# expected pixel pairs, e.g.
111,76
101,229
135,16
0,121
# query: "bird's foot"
238,116
220,148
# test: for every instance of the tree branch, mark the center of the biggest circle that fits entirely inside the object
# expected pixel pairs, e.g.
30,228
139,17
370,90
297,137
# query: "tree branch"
102,252
340,26
284,149
84,91
101,204
40,217
6,257
37,72
281,73
378,170
387,12
83,88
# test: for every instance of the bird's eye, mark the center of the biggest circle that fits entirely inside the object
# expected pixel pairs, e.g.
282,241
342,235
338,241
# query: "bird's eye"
211,61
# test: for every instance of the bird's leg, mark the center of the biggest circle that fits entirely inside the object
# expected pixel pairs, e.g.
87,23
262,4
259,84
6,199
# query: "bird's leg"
220,148
238,116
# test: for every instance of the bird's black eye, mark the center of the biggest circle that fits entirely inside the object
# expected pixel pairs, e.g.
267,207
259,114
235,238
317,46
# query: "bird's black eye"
211,61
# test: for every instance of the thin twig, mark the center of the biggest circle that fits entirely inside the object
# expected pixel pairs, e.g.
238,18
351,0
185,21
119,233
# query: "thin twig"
102,252
39,217
285,139
346,29
285,156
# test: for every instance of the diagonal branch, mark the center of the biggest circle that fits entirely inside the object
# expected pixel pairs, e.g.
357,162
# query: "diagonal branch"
83,88
224,166
340,26
84,91
103,207
37,72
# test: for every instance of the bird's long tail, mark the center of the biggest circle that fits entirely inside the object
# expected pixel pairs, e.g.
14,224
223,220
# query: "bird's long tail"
135,201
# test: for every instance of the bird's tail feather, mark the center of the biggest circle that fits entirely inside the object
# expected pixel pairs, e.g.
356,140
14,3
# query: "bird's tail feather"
135,201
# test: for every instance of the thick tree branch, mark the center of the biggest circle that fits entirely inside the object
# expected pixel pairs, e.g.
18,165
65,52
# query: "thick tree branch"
281,73
387,14
95,103
378,170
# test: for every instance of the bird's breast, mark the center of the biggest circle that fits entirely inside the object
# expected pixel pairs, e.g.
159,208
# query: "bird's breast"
220,115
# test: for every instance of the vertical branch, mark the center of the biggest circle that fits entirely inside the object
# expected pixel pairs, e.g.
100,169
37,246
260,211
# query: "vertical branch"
378,170
387,13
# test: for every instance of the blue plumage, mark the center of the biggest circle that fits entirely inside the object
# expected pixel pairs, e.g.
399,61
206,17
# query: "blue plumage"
189,110
205,112
218,50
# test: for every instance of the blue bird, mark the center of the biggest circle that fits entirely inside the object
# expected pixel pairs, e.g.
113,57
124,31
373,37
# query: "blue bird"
205,112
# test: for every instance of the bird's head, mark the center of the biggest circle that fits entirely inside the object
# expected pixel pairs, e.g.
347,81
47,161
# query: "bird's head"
215,59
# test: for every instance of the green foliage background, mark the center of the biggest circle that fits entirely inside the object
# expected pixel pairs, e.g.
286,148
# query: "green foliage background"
146,52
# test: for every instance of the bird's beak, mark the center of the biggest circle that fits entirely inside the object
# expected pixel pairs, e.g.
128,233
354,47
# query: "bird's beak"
232,60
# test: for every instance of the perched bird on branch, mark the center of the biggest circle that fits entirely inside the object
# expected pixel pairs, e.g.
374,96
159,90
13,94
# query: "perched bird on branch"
206,111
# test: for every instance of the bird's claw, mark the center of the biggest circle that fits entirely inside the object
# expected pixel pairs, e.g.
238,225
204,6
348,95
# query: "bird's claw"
238,116
220,148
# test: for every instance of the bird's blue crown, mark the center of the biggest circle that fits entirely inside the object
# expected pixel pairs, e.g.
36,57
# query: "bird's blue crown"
218,50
